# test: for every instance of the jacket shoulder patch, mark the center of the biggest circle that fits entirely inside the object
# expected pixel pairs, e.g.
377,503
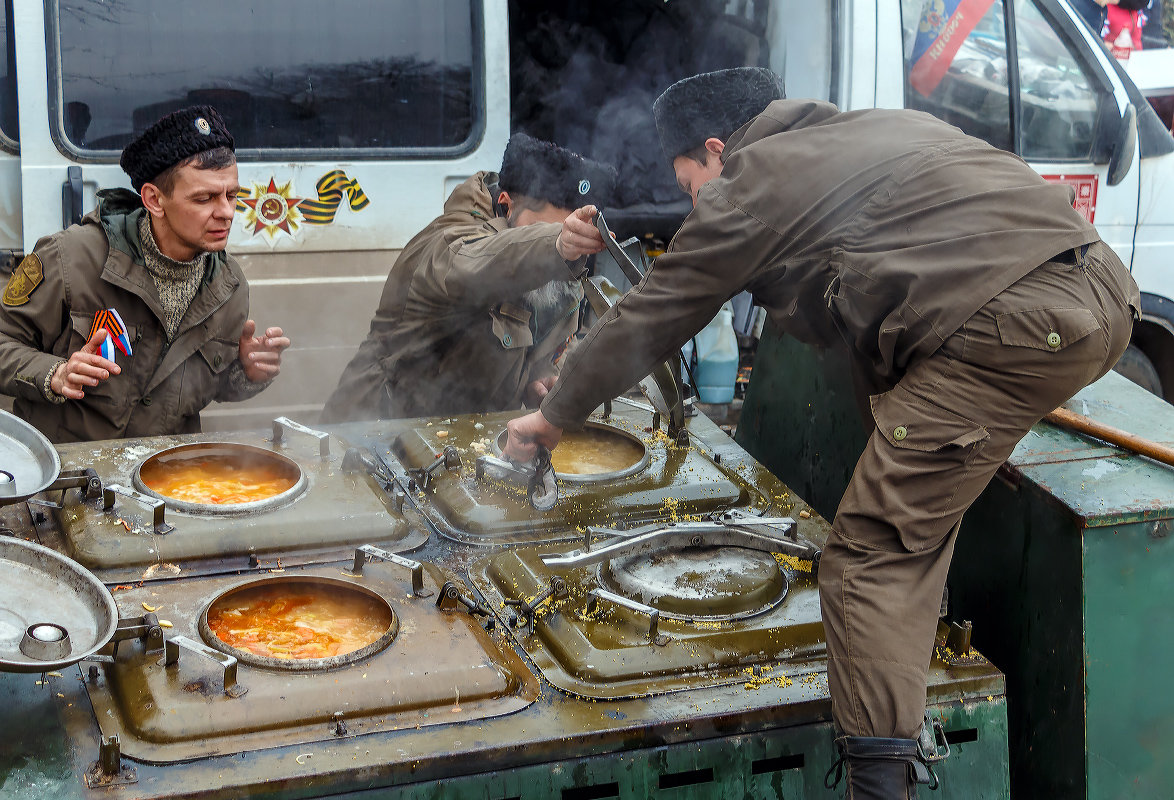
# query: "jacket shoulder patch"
26,277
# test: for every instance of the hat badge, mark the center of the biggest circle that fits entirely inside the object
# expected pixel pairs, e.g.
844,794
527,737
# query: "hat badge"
202,126
584,186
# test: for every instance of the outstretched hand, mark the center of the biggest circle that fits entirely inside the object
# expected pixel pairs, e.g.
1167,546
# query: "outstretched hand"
579,236
260,356
526,433
84,368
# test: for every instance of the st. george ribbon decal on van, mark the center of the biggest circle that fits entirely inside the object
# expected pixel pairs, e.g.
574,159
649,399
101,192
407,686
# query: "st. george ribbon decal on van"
275,210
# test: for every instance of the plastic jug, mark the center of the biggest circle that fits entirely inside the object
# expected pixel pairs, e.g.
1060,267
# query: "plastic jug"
717,358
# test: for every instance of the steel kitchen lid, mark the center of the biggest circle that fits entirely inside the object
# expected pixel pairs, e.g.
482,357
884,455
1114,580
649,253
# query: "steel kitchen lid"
676,482
53,612
28,462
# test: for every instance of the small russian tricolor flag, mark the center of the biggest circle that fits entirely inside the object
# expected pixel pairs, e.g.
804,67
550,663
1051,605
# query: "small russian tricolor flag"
116,336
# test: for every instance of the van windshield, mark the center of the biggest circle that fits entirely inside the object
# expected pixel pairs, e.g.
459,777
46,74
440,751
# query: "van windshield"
365,75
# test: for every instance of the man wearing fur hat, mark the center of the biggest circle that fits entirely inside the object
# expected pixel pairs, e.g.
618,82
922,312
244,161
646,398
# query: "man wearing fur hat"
479,304
133,321
969,294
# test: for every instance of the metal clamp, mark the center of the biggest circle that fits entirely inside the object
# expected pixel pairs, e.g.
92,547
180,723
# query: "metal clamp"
282,424
85,479
171,657
449,458
537,477
524,612
156,506
932,744
654,636
451,596
416,568
769,535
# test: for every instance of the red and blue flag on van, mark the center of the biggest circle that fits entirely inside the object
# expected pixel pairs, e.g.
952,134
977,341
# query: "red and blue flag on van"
943,28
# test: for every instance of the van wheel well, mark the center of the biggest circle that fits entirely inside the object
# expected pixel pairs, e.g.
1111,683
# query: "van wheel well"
1150,358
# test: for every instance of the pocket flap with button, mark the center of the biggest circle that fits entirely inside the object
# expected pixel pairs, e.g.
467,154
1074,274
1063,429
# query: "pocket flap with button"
219,353
511,325
1045,328
83,323
910,421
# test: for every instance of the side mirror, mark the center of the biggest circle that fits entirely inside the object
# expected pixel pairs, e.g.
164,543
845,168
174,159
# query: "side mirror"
1124,145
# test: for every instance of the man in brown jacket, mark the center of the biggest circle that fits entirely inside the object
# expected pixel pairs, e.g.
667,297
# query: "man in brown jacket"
155,257
972,298
479,304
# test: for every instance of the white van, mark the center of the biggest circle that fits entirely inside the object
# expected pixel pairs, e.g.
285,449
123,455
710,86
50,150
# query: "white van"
354,121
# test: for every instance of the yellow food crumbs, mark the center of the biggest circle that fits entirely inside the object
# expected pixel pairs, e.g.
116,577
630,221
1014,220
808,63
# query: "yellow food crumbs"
150,608
762,679
794,562
805,514
165,624
442,434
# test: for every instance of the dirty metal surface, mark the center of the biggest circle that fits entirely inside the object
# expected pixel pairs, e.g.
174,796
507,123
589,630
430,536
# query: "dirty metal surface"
678,482
337,510
606,652
441,668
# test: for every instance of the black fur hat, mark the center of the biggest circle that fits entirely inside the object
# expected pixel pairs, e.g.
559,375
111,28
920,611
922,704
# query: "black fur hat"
544,171
712,105
175,138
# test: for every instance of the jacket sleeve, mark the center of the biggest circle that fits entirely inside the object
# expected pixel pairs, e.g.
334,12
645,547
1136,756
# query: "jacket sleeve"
33,331
716,253
483,269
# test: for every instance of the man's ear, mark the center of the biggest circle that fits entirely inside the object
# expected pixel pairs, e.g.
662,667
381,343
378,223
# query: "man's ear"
151,195
505,204
715,146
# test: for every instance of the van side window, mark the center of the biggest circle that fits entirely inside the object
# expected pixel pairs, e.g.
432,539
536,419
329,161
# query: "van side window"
1057,101
9,130
368,76
956,65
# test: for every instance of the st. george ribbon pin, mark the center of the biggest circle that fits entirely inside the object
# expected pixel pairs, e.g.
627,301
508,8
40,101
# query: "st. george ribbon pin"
116,335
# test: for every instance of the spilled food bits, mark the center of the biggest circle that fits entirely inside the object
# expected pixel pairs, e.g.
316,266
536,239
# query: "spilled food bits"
794,562
302,758
150,608
165,624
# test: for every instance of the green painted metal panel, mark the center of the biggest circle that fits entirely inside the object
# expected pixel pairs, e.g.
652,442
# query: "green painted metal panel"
783,764
1064,565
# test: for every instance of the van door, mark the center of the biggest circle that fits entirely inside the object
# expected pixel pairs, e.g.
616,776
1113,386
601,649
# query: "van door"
10,237
353,121
1025,77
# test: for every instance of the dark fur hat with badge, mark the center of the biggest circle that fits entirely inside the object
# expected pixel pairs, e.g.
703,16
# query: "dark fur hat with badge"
544,171
172,140
712,105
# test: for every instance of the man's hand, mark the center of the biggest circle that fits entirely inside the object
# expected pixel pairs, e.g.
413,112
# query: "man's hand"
579,236
261,355
526,433
537,390
84,368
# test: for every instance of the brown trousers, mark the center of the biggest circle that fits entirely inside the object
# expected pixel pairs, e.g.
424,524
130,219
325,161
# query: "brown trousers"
940,435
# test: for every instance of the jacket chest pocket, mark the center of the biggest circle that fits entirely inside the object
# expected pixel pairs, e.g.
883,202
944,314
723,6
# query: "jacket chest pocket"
511,326
217,354
203,372
83,326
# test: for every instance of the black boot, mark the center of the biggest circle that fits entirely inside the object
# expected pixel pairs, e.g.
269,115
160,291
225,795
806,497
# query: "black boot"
880,769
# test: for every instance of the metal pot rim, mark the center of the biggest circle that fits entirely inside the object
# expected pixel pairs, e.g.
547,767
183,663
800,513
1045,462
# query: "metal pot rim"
233,509
298,664
598,477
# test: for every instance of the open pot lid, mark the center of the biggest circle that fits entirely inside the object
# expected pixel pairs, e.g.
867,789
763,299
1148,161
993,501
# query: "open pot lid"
28,461
53,611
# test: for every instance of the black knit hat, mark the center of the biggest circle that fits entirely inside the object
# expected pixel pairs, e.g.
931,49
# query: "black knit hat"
173,139
712,105
544,171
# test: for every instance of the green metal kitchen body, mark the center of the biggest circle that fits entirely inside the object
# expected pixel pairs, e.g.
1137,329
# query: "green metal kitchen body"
502,707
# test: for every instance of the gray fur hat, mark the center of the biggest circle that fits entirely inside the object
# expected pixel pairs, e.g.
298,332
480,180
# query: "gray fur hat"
712,105
544,171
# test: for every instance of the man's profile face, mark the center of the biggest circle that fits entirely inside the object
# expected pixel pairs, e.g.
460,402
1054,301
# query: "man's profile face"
198,211
520,215
692,175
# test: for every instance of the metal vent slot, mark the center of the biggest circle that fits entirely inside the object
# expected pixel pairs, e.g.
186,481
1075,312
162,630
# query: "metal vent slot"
675,780
962,736
777,764
594,792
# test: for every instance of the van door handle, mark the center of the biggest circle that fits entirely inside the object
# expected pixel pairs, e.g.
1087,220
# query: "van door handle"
71,197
